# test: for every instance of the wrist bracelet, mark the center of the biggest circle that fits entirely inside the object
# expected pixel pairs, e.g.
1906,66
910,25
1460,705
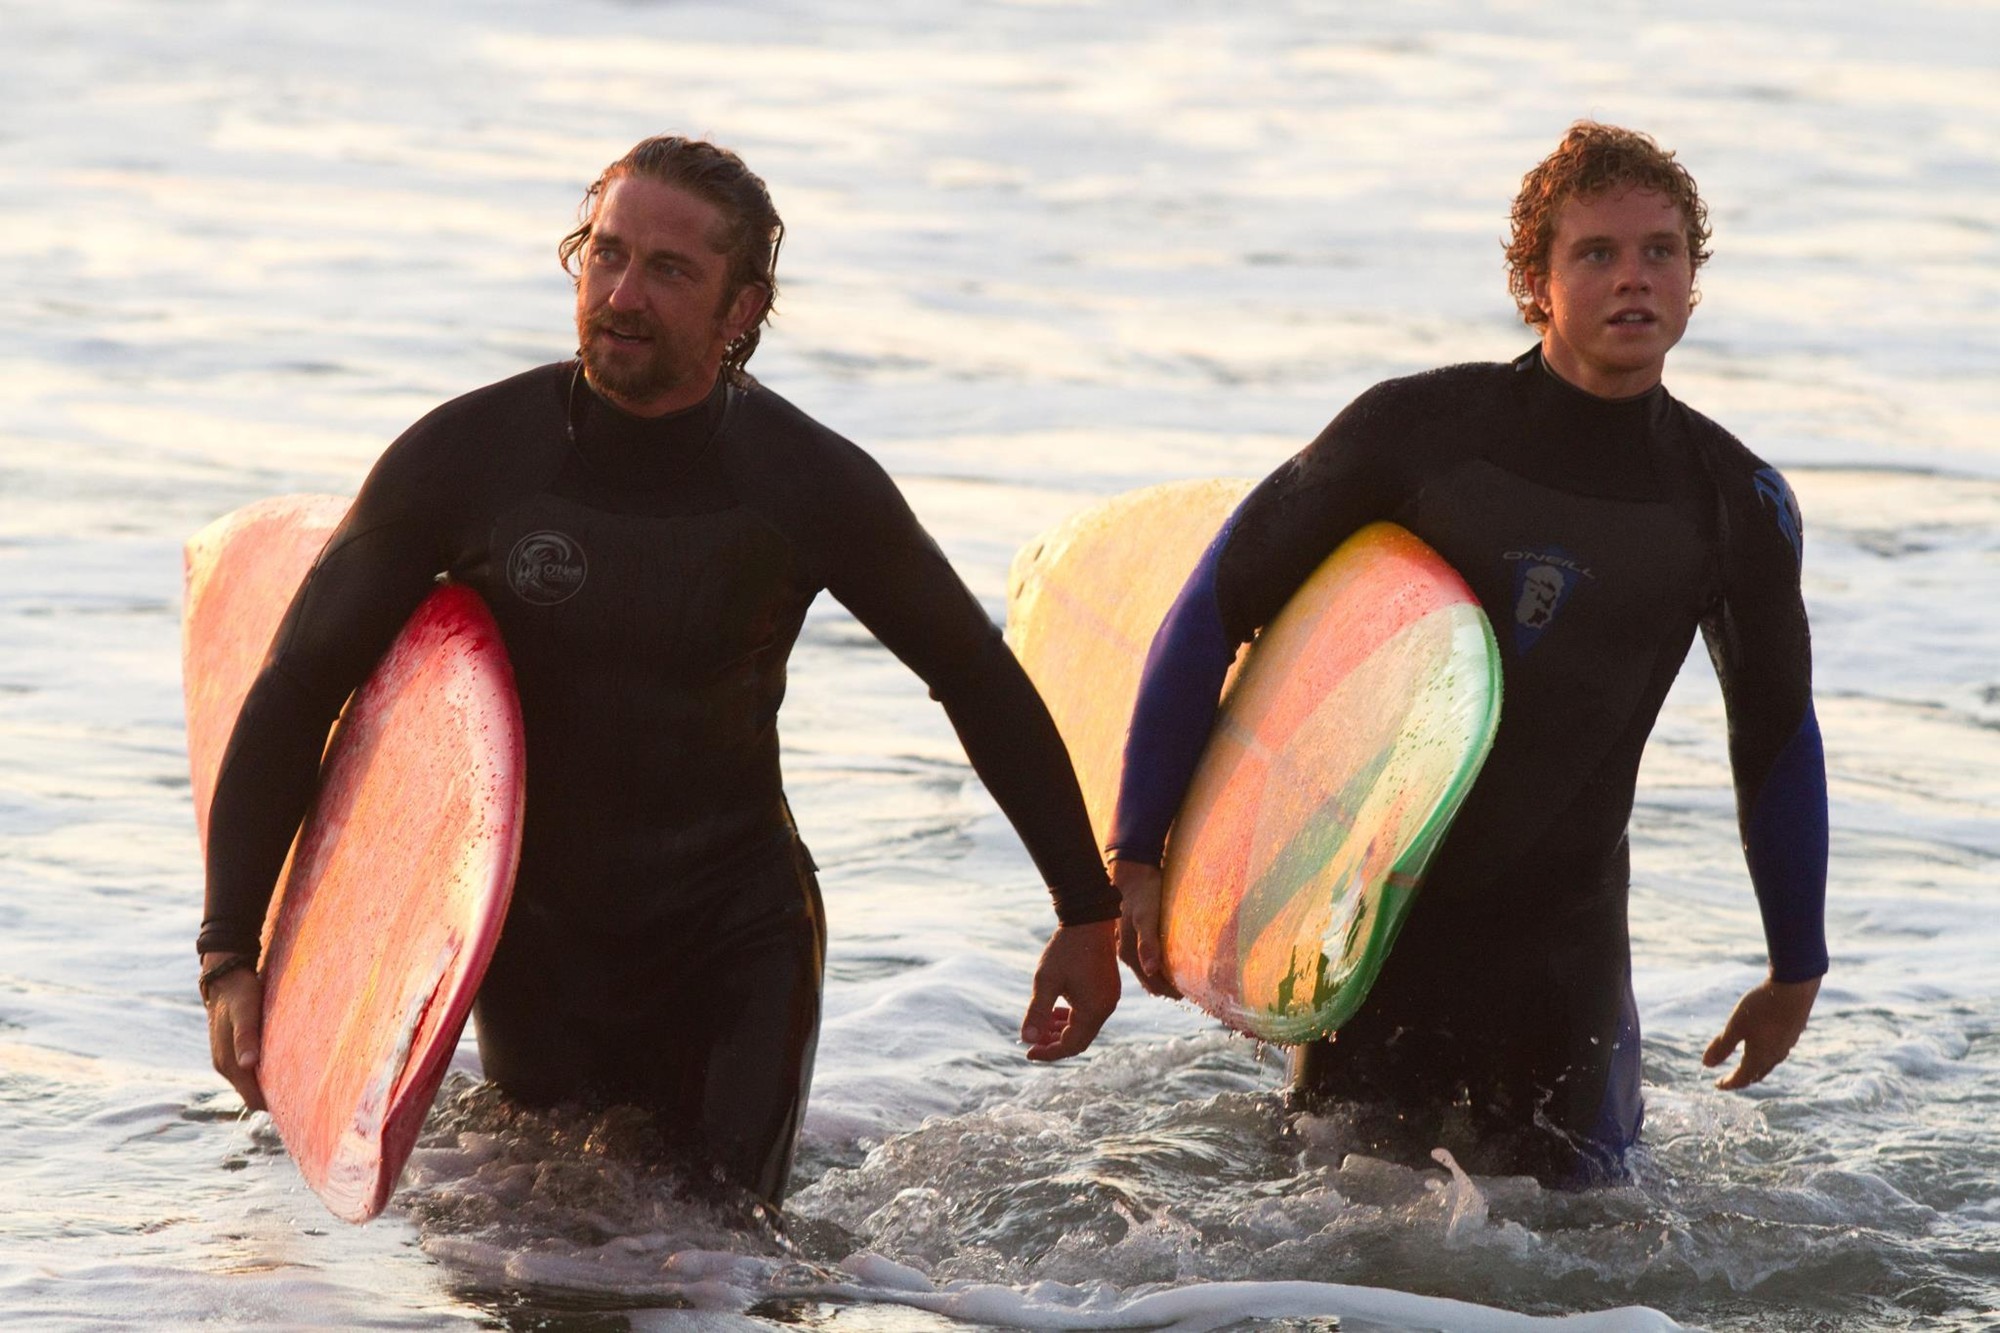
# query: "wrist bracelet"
233,963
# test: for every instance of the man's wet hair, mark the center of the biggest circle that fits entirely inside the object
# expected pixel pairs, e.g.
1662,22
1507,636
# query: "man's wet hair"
1591,161
752,231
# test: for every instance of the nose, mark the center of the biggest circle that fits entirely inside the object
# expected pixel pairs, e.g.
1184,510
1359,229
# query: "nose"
625,294
1632,275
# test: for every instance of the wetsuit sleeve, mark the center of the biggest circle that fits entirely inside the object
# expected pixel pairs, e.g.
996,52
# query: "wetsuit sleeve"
377,567
1179,690
892,576
1280,533
1758,638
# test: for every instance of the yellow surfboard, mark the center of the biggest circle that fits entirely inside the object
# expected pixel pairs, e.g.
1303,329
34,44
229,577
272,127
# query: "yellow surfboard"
1349,735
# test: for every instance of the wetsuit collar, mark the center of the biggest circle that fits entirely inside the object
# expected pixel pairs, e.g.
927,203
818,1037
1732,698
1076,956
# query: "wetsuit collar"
1578,442
588,406
644,450
1532,359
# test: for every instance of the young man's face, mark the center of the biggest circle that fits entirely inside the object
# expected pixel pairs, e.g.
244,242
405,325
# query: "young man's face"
1618,290
651,318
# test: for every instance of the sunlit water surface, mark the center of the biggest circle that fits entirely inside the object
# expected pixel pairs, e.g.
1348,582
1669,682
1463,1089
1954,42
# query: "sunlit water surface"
1039,253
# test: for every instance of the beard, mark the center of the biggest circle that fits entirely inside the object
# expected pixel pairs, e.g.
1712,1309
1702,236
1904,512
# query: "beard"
635,373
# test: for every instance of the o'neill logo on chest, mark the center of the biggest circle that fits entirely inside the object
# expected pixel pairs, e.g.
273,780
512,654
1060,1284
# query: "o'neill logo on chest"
546,568
1544,578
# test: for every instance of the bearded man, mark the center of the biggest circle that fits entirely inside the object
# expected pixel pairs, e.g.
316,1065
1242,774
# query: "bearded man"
648,525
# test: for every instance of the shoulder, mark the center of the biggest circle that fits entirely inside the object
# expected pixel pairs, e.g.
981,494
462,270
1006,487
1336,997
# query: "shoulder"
1756,495
470,443
786,450
1446,395
823,492
1446,387
1433,415
781,423
1720,449
755,405
535,393
1740,475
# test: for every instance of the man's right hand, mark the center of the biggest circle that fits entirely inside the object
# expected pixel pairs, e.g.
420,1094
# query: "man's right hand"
1138,888
236,1027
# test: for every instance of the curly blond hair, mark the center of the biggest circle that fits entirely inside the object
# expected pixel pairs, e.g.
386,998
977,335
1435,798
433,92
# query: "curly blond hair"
1593,160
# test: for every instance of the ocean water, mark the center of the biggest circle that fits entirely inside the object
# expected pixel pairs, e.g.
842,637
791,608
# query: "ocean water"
1039,253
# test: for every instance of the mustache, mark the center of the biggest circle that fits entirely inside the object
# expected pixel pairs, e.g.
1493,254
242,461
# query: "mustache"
641,325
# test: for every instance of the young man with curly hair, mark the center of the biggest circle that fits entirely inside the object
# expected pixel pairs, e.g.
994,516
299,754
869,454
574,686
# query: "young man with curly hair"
648,524
1601,523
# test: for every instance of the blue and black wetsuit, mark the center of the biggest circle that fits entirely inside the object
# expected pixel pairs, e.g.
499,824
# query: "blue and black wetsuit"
1598,536
650,577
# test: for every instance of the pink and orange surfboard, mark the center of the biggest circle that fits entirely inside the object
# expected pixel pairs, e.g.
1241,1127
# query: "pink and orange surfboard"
1348,737
392,901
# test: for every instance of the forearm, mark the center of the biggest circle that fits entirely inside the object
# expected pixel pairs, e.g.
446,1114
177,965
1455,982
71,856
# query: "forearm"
1178,696
1013,745
1761,644
898,583
266,782
1785,842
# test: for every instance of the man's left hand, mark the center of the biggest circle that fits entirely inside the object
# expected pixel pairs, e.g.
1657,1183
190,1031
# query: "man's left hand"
1079,965
1767,1023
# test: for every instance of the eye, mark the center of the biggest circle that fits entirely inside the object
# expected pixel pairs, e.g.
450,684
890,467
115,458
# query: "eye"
1596,254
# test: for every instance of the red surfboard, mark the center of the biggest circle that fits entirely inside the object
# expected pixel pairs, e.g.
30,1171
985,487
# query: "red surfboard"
389,908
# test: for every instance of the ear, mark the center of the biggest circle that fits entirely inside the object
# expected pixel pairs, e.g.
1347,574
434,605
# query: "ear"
745,309
1538,290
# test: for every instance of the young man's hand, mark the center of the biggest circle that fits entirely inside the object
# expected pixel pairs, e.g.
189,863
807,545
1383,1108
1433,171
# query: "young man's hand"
1139,944
1767,1023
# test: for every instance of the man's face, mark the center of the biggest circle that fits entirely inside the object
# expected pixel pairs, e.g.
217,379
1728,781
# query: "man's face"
651,318
1618,290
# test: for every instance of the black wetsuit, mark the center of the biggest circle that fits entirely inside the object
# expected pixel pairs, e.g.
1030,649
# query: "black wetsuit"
650,577
1598,535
